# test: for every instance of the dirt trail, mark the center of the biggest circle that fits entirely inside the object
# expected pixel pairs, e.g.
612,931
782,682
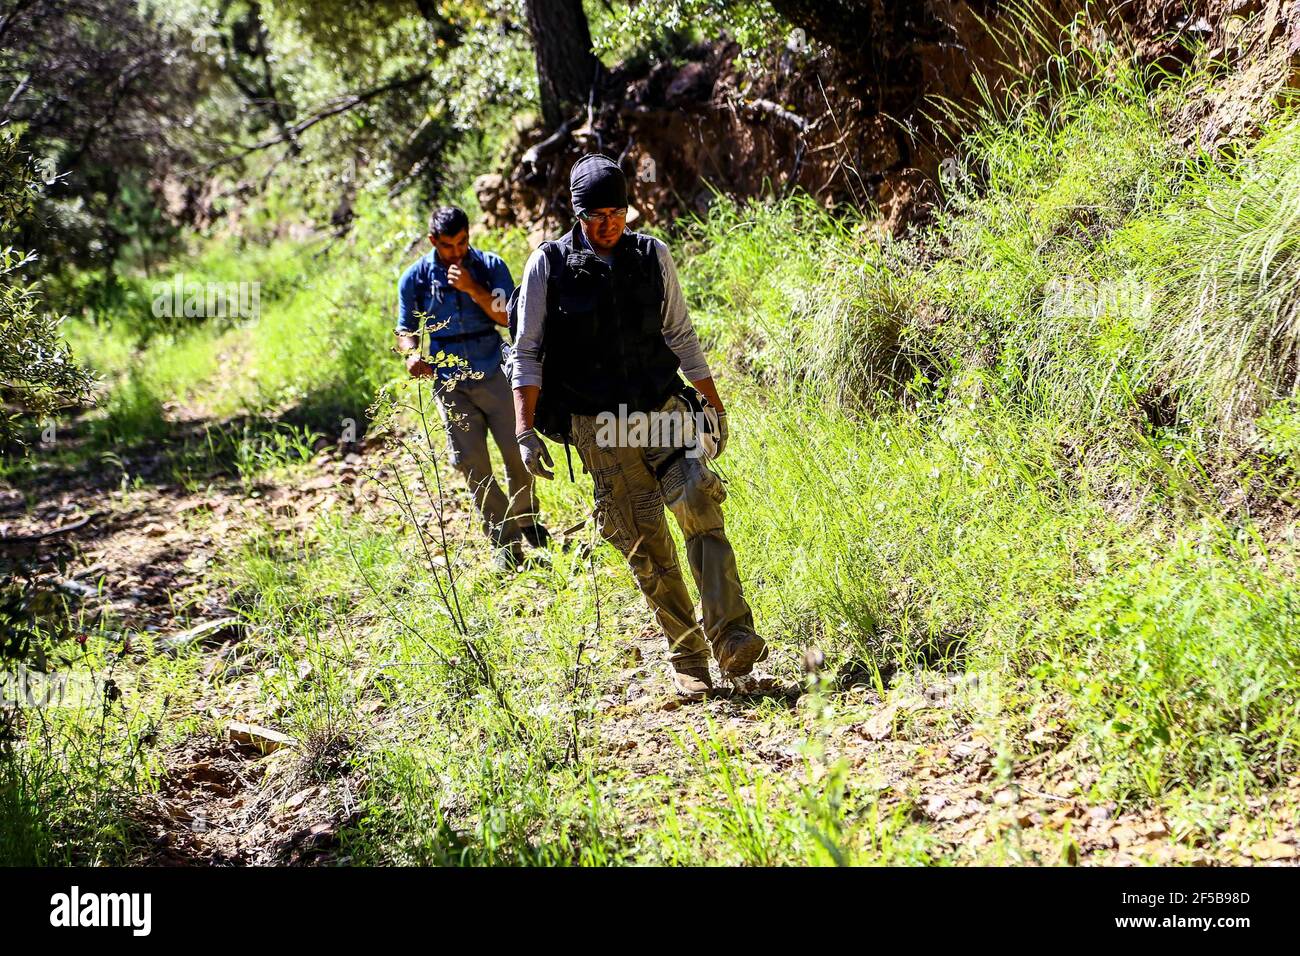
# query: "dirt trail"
140,562
248,797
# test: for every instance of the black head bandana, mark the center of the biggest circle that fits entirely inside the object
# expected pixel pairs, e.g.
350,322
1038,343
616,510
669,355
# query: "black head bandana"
596,182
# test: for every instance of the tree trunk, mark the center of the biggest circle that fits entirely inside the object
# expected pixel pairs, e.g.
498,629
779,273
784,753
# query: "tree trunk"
566,67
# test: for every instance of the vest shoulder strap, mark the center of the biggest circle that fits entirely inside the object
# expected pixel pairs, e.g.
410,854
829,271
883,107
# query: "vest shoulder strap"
554,261
554,253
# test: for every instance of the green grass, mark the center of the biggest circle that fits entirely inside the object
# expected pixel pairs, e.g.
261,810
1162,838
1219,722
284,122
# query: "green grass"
960,462
70,773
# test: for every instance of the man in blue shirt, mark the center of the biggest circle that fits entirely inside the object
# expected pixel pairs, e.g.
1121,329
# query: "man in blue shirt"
459,294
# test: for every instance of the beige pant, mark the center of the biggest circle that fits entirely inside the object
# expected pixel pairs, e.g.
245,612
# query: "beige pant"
632,487
472,410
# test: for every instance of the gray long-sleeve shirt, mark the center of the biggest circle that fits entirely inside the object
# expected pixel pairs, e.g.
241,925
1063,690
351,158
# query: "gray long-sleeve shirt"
679,332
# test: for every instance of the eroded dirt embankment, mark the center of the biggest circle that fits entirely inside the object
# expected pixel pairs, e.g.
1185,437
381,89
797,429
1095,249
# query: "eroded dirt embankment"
869,128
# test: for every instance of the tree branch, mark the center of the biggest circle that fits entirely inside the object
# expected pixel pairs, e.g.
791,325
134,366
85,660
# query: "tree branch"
340,105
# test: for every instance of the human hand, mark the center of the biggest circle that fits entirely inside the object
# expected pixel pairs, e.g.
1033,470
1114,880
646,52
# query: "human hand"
534,454
418,367
722,431
459,278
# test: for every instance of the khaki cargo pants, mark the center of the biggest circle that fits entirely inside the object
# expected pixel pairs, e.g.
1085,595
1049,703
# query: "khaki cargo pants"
471,411
632,487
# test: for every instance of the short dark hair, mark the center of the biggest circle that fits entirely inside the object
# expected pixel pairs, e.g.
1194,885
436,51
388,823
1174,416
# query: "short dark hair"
448,221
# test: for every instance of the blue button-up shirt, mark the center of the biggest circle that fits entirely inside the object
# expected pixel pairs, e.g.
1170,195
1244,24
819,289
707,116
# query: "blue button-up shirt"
456,323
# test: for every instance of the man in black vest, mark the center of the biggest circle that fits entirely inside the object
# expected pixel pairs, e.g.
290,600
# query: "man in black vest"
602,332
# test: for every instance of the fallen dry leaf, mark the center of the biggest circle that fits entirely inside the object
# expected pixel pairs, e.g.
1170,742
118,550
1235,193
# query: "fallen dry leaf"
1273,850
880,726
1004,798
254,735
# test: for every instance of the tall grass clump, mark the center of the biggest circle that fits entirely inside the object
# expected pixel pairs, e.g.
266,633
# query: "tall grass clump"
1230,323
997,442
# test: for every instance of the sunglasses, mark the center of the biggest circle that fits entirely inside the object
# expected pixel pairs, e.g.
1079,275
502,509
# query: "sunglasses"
600,218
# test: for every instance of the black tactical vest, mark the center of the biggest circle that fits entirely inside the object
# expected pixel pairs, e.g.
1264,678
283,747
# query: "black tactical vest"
603,342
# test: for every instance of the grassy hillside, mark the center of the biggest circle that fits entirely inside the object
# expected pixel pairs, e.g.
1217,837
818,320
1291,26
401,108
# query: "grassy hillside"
1026,478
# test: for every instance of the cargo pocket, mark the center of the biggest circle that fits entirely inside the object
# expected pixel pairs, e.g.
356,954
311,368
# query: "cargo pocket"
611,523
710,482
686,478
648,508
575,311
613,526
576,303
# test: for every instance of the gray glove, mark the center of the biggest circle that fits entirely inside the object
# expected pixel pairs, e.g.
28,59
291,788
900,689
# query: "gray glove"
716,420
536,458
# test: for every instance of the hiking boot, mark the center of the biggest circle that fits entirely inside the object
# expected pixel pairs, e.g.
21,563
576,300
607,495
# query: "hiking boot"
507,558
738,651
536,535
693,683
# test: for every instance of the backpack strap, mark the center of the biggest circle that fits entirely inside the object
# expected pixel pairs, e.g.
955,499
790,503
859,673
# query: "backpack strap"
550,422
554,262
